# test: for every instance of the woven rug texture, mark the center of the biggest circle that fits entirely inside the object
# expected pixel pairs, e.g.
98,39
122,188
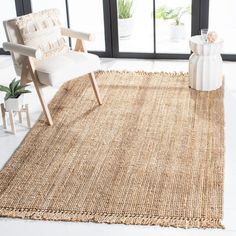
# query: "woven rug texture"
152,154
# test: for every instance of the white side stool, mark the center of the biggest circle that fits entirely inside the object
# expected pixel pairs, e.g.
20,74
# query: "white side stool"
205,64
24,108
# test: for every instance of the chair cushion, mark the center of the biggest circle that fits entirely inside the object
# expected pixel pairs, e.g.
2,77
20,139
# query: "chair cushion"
42,30
56,70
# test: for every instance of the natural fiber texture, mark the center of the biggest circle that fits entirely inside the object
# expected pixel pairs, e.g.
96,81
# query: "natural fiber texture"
152,154
42,30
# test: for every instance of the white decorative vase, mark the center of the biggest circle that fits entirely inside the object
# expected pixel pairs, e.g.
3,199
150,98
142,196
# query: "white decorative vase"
14,104
177,32
125,27
205,65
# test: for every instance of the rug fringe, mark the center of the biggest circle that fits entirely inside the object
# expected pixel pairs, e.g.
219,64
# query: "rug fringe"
143,72
119,218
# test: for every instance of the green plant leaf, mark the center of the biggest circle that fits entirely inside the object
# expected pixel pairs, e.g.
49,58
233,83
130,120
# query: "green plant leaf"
125,9
21,92
14,90
8,95
21,87
16,85
166,13
4,89
12,85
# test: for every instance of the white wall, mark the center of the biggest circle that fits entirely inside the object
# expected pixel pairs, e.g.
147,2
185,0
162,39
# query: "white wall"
7,11
223,21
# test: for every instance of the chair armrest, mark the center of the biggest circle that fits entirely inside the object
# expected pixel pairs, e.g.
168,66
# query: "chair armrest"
76,34
22,50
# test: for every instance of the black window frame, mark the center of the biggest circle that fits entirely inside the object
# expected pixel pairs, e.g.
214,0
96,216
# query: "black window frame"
200,19
200,9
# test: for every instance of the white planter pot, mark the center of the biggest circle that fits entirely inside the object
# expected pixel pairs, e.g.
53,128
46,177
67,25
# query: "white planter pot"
14,104
125,27
177,32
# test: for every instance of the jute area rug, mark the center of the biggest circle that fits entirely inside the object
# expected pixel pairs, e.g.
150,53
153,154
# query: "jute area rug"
152,154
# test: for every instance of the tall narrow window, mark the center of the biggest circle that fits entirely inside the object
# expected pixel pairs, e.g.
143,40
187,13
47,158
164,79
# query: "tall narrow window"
135,25
222,20
88,16
173,26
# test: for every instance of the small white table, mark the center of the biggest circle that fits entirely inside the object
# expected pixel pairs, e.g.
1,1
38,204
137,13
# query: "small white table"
24,108
205,64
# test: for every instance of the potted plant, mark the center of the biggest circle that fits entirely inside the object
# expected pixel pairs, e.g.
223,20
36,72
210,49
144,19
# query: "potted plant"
125,18
177,31
14,95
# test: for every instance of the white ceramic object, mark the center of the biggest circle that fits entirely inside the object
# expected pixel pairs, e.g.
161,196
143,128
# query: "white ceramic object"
125,27
14,104
205,64
177,32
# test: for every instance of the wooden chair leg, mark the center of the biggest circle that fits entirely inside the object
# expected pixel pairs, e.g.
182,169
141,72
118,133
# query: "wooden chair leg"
11,115
81,47
3,116
39,92
44,104
20,116
27,115
95,88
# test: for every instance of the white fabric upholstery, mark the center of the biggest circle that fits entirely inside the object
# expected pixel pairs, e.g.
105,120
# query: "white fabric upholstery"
42,30
56,70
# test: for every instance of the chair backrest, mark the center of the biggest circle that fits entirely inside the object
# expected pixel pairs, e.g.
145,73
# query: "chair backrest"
13,35
41,30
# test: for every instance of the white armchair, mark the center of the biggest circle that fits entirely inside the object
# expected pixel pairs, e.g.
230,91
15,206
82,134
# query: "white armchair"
42,62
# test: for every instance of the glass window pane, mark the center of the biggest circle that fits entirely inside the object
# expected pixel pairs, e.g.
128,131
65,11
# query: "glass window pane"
7,11
46,4
173,26
88,16
222,20
135,26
